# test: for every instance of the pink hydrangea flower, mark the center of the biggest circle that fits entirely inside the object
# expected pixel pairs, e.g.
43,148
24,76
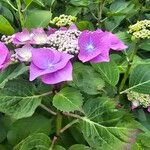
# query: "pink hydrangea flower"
39,36
4,56
148,108
24,54
92,47
95,46
50,65
21,38
135,104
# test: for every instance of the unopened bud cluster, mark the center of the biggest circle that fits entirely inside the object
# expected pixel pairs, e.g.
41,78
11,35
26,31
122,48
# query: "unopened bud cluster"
65,40
140,30
6,39
142,99
64,20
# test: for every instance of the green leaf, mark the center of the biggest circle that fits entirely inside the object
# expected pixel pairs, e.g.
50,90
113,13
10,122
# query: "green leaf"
12,72
86,79
19,99
22,128
85,25
3,132
58,147
38,141
100,131
37,18
79,147
139,80
145,45
80,3
68,99
5,26
109,72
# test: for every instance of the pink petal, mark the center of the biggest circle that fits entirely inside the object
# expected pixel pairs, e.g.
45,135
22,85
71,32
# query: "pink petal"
148,108
3,53
64,74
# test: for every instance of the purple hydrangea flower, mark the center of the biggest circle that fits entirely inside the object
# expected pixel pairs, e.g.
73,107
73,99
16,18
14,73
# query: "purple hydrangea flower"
95,46
4,56
39,36
21,38
24,54
50,65
148,108
92,47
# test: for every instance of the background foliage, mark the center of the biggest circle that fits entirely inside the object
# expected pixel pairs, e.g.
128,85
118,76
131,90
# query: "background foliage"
93,109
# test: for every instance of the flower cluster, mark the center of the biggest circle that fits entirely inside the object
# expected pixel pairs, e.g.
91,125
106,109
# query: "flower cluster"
139,99
65,40
140,30
50,52
64,20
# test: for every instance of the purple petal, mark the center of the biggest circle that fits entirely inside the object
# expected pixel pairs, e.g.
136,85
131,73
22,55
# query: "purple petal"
148,108
22,37
39,36
115,42
73,27
64,74
104,57
3,53
51,31
24,53
91,44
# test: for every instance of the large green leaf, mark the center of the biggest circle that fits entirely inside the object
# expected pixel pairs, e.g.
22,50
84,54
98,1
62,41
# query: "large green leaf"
68,99
109,72
37,141
86,79
139,80
37,18
22,128
12,72
100,131
5,26
19,99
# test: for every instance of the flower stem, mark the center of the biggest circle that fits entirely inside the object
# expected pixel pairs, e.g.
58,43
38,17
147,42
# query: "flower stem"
130,61
20,13
58,123
100,11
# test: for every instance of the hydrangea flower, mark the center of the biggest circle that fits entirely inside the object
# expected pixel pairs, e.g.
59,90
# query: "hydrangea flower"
92,47
50,65
24,54
4,56
39,36
95,46
21,38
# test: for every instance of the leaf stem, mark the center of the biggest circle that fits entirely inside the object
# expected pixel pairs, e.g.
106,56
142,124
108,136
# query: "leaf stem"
130,61
69,125
100,11
22,21
48,109
8,2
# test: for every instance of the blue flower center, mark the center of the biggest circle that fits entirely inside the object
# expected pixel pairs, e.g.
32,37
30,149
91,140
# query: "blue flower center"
90,47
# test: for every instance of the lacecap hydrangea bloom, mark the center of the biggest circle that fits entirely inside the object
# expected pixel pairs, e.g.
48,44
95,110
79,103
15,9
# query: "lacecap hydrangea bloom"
64,20
52,62
140,30
50,65
4,56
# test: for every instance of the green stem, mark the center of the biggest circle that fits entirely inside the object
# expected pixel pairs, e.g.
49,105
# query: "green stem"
9,3
20,13
58,123
100,11
130,61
